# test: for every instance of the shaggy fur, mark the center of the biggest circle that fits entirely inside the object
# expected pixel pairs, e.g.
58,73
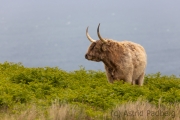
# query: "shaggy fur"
122,60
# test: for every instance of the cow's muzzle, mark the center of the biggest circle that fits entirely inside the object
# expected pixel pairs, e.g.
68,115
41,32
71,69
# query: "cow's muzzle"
86,56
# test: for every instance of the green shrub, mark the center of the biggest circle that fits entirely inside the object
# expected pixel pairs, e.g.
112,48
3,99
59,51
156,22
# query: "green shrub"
87,88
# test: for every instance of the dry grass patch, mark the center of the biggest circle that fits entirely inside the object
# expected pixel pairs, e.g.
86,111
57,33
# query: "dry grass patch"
139,110
54,112
66,112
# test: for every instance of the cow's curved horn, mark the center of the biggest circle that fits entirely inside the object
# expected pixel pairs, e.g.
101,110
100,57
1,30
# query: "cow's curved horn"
103,40
88,36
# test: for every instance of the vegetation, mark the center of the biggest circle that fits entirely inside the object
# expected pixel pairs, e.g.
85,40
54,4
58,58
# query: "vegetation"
54,94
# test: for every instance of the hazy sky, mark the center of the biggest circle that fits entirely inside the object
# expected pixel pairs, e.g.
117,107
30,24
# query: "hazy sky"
52,33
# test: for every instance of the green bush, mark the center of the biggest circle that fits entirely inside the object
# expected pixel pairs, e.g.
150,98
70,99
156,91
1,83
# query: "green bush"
21,85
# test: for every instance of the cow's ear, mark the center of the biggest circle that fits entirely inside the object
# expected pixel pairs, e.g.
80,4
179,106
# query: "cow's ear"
104,48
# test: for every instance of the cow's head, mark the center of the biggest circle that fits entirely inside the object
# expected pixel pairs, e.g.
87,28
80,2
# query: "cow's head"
97,49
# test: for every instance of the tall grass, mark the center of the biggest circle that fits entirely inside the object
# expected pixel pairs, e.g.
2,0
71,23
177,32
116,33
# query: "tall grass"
139,110
54,112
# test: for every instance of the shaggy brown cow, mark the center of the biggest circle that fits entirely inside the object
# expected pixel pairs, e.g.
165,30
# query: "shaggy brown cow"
123,60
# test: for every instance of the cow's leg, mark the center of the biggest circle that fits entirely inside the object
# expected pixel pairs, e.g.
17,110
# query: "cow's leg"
128,76
109,74
128,79
133,82
140,80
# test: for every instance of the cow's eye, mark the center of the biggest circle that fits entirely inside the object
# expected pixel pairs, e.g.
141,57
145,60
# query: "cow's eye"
95,48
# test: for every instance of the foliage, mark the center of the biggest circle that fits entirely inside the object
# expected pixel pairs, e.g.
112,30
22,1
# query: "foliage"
87,88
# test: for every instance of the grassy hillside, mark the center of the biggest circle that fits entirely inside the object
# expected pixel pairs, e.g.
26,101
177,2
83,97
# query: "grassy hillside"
83,94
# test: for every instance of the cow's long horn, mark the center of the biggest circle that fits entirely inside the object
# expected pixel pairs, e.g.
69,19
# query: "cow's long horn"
88,36
103,40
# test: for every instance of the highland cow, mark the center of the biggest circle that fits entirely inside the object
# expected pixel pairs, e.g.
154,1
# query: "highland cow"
123,60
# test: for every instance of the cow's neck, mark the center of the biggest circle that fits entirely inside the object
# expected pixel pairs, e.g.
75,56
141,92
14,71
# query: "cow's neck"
109,64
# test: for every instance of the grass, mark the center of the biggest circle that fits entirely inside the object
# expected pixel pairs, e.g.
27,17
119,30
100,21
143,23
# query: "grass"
138,110
53,112
54,94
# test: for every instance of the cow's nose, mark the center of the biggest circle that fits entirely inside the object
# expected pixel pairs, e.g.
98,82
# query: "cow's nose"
86,56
